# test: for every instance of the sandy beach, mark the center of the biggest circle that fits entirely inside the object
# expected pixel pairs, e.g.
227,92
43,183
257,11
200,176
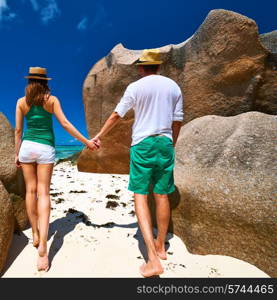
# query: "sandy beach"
94,233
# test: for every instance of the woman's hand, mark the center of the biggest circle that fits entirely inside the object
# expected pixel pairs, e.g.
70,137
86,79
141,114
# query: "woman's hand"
96,141
92,145
17,162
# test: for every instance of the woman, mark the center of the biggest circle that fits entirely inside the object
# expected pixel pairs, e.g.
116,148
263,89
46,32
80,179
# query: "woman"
35,153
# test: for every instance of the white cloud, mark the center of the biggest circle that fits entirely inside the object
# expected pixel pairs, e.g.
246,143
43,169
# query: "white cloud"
83,24
3,5
99,20
35,4
50,11
5,12
100,16
47,9
72,140
11,16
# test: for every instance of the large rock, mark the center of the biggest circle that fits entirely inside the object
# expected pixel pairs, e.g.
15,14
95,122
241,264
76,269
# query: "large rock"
11,176
102,90
269,40
220,70
6,224
226,175
13,214
266,99
19,212
7,167
114,154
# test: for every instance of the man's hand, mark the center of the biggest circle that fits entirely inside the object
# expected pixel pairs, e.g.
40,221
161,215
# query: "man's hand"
17,162
109,124
176,126
96,140
91,145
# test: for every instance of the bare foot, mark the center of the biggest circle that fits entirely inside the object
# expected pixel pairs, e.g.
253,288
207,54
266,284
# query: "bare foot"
36,239
151,269
43,261
160,249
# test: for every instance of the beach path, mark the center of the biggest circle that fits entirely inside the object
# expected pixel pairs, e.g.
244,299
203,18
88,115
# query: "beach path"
94,233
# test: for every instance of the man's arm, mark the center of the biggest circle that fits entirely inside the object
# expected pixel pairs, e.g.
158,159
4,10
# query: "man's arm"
178,116
109,124
125,104
176,126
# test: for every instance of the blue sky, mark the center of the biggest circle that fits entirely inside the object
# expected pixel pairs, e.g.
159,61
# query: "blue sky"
68,37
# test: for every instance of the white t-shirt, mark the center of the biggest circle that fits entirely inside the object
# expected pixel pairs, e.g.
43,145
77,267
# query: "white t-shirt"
157,102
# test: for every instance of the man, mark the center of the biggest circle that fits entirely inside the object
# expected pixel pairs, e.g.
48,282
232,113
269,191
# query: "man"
158,105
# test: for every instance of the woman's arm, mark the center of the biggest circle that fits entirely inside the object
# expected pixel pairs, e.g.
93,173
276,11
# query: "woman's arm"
58,112
19,119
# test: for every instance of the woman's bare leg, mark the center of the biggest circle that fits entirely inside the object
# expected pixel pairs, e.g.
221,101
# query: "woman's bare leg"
44,173
30,177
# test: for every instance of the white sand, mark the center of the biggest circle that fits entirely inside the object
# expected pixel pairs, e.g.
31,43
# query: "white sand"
117,250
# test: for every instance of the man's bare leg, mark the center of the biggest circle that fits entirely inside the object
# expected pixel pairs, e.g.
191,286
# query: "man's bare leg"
153,265
163,217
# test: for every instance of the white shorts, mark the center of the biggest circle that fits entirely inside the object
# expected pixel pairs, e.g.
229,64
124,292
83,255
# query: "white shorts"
31,152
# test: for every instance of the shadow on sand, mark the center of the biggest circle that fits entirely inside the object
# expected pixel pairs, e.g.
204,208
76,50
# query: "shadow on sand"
63,226
142,247
174,200
19,242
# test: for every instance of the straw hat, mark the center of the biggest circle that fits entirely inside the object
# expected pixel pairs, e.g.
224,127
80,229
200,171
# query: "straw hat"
37,73
150,57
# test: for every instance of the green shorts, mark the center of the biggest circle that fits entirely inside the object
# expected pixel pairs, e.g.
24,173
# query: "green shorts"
152,163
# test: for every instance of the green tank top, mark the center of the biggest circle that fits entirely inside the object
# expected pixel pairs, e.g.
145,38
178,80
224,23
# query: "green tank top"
39,126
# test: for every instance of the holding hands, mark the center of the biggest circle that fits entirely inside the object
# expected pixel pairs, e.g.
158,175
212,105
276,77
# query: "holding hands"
93,144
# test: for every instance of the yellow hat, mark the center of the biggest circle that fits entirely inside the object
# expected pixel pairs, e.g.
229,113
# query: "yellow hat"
150,57
38,73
